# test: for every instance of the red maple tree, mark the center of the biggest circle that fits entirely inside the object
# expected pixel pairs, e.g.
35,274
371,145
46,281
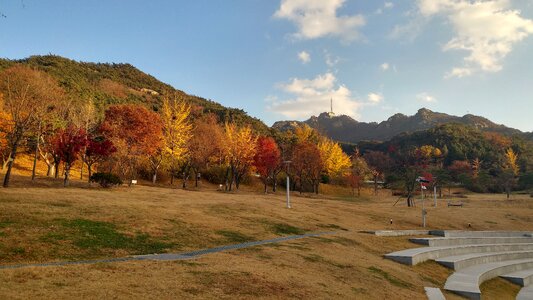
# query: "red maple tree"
267,159
68,143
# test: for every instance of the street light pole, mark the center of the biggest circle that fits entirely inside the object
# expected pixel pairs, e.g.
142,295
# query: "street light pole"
288,162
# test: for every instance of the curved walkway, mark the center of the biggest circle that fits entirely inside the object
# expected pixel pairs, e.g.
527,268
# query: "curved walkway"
168,256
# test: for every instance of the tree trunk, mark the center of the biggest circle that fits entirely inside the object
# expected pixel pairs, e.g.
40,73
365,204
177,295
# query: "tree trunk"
226,186
66,181
81,169
266,187
154,177
375,185
56,174
274,185
89,171
10,163
358,190
36,154
51,169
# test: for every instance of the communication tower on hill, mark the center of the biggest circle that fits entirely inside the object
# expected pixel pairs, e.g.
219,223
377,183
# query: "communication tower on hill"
331,113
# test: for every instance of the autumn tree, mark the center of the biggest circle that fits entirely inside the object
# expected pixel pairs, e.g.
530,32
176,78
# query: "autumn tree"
205,145
510,170
358,171
305,134
27,94
267,159
136,133
5,127
378,163
68,144
336,162
98,149
239,151
176,134
307,164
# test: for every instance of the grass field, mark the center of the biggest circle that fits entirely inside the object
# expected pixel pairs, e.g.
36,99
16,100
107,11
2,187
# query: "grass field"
44,223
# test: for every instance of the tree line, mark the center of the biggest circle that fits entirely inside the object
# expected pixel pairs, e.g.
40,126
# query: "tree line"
179,141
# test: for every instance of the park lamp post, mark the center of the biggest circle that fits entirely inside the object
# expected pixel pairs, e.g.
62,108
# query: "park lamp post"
288,162
423,180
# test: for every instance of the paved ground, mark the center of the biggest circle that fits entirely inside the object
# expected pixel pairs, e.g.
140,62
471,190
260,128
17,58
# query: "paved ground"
168,256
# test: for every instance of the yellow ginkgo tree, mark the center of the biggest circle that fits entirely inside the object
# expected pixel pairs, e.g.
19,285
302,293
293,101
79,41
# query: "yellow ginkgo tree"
177,130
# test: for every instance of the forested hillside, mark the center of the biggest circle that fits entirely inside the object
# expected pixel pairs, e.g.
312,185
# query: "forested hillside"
104,84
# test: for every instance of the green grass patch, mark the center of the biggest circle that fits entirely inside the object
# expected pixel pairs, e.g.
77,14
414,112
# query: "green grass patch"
283,229
391,279
314,258
332,226
234,236
4,224
95,236
17,251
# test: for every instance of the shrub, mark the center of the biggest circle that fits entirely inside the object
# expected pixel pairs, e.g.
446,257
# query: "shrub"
106,180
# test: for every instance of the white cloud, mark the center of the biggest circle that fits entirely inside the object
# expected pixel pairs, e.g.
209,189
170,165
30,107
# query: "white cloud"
318,18
425,97
304,57
384,66
375,98
309,97
488,30
388,5
331,60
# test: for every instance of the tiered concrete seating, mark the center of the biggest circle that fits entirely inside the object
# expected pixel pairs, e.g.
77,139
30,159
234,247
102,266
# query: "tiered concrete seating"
476,256
418,255
525,293
466,281
459,262
443,242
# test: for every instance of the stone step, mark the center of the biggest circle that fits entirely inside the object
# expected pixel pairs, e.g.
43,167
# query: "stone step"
459,262
434,293
465,233
525,293
443,242
466,281
396,232
418,255
522,278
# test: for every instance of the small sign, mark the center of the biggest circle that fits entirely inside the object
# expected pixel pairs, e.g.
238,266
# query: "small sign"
133,181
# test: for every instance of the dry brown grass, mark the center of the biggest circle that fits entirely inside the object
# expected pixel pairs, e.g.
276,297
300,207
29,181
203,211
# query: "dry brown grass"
34,227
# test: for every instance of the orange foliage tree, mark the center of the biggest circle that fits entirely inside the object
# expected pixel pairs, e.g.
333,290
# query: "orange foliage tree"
136,132
205,145
28,94
307,164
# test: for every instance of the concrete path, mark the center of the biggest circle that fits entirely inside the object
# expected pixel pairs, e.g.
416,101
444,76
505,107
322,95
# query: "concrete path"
168,256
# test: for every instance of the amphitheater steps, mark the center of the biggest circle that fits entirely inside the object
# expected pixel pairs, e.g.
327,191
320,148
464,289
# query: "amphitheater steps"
460,262
525,293
434,293
466,281
418,255
464,233
522,278
444,242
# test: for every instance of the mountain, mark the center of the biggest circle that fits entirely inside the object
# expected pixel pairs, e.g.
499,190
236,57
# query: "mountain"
105,84
347,130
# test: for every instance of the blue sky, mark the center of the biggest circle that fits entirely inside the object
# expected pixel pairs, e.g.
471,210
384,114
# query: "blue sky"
284,59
